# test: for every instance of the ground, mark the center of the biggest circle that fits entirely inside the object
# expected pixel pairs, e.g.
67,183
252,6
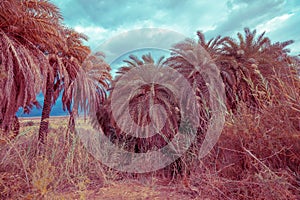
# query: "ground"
259,168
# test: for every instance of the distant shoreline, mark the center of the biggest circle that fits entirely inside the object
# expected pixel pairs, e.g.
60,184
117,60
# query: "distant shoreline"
39,117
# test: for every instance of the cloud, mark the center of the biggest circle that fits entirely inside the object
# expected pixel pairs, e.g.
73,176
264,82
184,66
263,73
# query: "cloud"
286,30
139,39
243,13
101,20
182,16
273,24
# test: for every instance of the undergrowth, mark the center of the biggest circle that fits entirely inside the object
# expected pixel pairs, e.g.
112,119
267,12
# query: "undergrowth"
256,157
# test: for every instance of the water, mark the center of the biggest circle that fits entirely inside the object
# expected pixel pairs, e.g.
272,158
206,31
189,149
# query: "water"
57,109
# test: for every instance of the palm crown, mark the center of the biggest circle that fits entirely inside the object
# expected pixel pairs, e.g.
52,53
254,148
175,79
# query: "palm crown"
135,92
27,30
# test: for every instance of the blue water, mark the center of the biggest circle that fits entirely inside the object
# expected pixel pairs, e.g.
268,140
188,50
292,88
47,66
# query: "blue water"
57,109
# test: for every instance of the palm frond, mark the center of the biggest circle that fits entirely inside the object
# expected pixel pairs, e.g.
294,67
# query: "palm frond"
23,79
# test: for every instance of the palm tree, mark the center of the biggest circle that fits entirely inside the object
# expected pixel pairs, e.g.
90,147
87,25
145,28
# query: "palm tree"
27,30
138,96
193,61
248,66
89,90
65,66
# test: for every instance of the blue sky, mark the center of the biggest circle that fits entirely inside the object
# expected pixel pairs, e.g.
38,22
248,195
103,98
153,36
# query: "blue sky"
102,20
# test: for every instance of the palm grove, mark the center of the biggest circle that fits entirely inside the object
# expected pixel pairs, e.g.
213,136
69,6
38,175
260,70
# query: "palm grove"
39,53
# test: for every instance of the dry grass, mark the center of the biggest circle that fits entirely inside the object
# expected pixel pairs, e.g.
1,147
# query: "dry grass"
66,171
256,157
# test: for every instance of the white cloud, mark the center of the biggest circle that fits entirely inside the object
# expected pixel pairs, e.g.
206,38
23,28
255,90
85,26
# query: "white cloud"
273,24
138,39
101,20
90,30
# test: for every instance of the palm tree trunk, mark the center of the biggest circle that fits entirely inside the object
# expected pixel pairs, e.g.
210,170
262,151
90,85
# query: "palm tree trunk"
73,114
15,126
44,125
71,126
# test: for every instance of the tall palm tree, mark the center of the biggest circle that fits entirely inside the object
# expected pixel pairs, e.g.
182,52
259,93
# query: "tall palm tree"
27,29
65,66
